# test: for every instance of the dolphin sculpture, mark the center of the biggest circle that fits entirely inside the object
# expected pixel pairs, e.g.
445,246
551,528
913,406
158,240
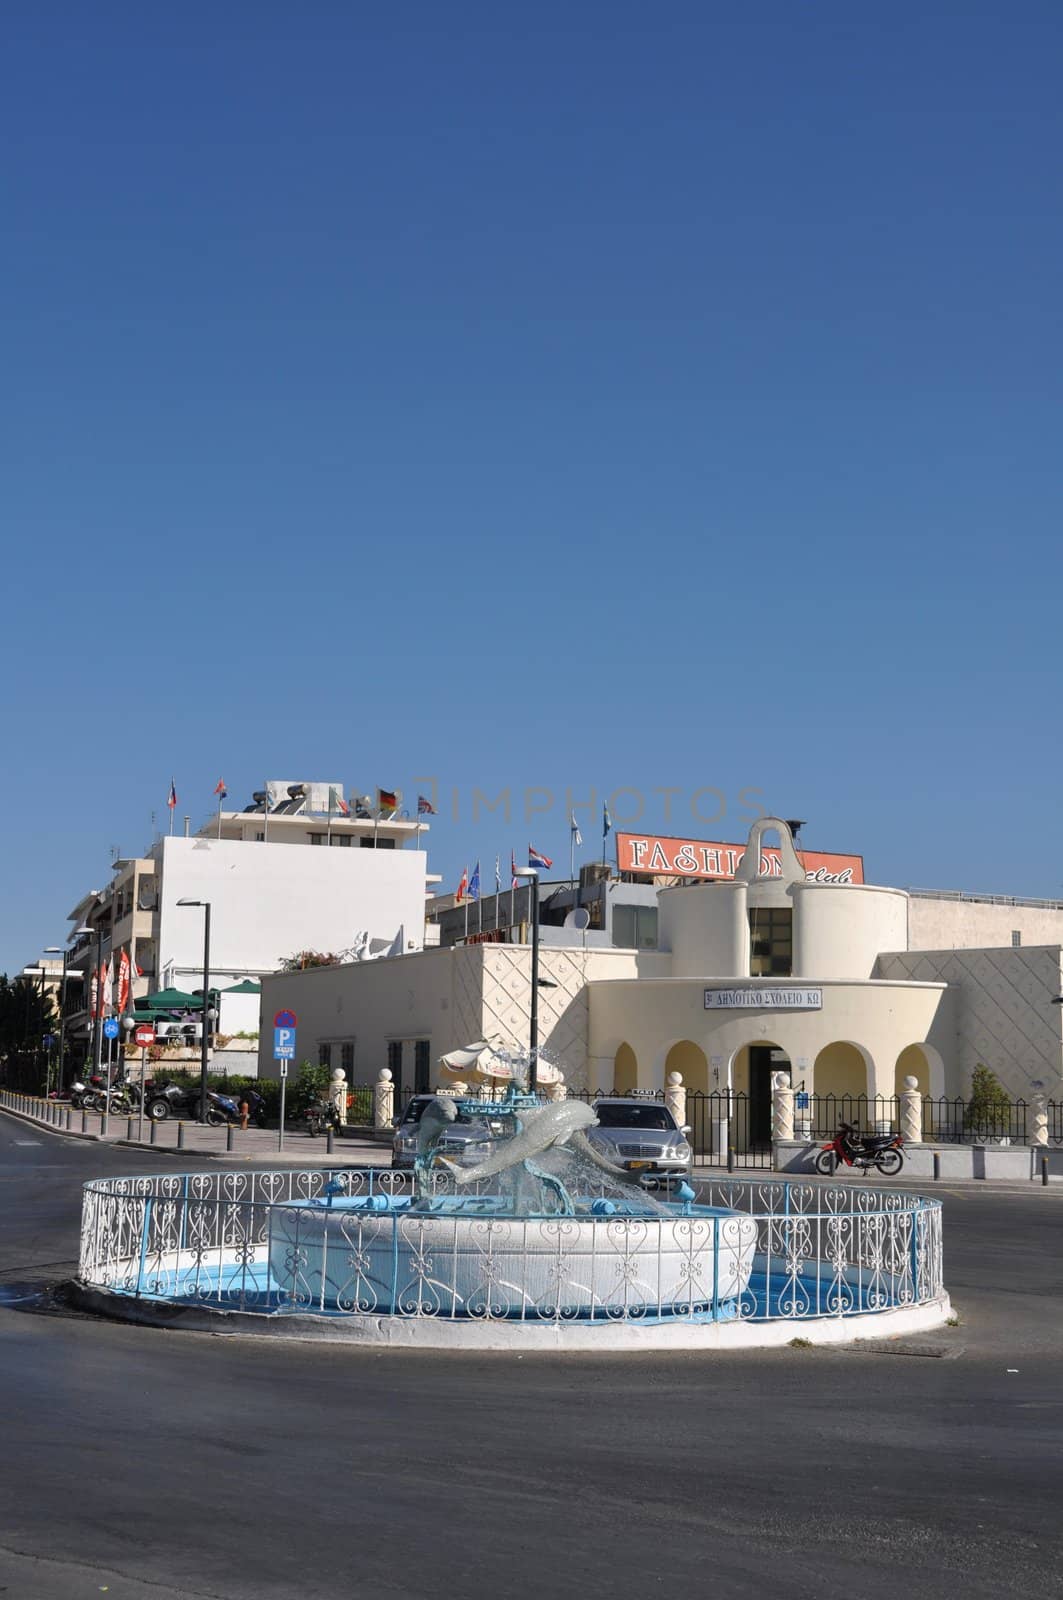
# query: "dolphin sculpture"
434,1118
538,1130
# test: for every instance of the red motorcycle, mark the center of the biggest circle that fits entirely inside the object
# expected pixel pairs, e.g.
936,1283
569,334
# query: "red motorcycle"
850,1148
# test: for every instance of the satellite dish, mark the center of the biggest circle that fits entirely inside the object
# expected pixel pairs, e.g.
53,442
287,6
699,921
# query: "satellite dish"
579,918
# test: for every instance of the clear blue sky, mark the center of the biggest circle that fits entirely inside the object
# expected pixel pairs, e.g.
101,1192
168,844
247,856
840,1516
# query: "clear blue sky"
577,396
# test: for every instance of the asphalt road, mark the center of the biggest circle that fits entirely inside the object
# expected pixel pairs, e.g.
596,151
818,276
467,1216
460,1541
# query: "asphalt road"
149,1465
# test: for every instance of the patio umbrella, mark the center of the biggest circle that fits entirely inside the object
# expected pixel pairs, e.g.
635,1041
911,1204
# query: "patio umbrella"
172,1000
247,987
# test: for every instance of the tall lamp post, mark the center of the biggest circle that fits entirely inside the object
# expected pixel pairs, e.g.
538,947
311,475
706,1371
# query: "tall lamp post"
68,972
532,873
204,1034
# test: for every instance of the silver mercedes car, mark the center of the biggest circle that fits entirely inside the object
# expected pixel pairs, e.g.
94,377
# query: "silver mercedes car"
641,1135
466,1139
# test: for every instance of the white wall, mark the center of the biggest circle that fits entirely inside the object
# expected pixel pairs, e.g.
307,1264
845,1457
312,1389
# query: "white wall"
840,930
653,1015
267,903
451,997
705,930
1004,1016
974,924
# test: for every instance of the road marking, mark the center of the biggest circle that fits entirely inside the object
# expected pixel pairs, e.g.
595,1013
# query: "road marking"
25,1142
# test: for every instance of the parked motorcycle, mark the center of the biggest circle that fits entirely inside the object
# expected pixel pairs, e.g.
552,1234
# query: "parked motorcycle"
88,1096
851,1148
320,1116
229,1107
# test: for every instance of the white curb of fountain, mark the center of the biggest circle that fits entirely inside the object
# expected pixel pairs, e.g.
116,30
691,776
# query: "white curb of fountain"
431,1333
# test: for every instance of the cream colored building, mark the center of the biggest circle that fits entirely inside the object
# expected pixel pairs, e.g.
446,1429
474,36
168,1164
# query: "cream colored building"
752,975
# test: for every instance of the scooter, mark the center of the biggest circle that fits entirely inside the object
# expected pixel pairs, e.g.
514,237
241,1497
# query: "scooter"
851,1148
229,1107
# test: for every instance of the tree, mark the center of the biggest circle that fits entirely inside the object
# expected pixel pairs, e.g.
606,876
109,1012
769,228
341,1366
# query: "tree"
988,1111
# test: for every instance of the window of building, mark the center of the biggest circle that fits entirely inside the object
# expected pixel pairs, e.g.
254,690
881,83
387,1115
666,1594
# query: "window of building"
341,839
770,942
635,927
422,1065
324,1055
377,844
347,1058
317,838
1016,938
395,1060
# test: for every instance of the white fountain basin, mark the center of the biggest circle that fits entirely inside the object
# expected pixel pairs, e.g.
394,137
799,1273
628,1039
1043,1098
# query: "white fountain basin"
469,1261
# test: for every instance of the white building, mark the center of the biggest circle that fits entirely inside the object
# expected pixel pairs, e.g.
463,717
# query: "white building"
282,876
773,969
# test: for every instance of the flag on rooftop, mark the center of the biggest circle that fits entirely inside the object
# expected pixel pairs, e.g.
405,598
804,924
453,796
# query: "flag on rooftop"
387,800
474,883
220,790
463,885
172,801
498,874
607,821
537,859
577,837
513,869
336,802
425,808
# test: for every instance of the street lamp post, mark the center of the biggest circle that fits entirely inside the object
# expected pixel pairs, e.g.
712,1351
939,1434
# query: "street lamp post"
533,1020
97,1020
204,1056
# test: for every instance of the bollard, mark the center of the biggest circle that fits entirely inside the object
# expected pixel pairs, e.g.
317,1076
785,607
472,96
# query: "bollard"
180,1136
103,1123
69,1117
154,1131
245,1113
1044,1169
330,1140
230,1130
129,1128
84,1120
937,1167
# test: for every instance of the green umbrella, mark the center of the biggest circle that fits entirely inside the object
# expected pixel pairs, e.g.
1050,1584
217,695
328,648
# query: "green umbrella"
247,987
172,1000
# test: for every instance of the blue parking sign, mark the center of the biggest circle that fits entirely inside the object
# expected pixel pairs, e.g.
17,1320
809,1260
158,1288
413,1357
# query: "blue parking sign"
284,1044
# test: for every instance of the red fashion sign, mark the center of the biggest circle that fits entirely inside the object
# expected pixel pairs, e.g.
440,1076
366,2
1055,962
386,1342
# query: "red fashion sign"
700,858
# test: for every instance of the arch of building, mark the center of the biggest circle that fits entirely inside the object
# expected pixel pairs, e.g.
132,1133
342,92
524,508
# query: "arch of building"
925,1064
625,1070
843,1069
690,1060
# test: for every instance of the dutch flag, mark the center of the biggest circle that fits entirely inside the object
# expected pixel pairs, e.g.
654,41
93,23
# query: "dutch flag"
537,859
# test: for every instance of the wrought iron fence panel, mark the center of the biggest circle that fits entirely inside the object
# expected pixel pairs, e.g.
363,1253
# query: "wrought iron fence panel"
252,1242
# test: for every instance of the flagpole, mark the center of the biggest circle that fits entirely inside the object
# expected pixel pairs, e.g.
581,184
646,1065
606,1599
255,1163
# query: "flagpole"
265,816
221,797
572,858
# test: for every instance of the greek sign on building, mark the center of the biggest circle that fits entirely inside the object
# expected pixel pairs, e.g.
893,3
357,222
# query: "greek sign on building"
760,999
701,858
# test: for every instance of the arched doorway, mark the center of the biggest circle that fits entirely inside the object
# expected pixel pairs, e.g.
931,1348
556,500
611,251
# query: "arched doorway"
689,1059
924,1063
625,1070
749,1077
841,1075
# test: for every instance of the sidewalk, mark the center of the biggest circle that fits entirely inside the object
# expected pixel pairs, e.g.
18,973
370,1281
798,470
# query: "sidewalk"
173,1137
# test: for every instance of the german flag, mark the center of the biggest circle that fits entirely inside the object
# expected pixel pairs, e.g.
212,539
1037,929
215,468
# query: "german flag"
387,800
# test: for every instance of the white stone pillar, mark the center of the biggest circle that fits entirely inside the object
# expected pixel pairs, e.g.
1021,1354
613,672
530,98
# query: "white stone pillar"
337,1093
383,1099
911,1112
675,1097
1039,1127
782,1107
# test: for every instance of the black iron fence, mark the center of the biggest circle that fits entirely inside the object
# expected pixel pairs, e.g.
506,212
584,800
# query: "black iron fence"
735,1128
